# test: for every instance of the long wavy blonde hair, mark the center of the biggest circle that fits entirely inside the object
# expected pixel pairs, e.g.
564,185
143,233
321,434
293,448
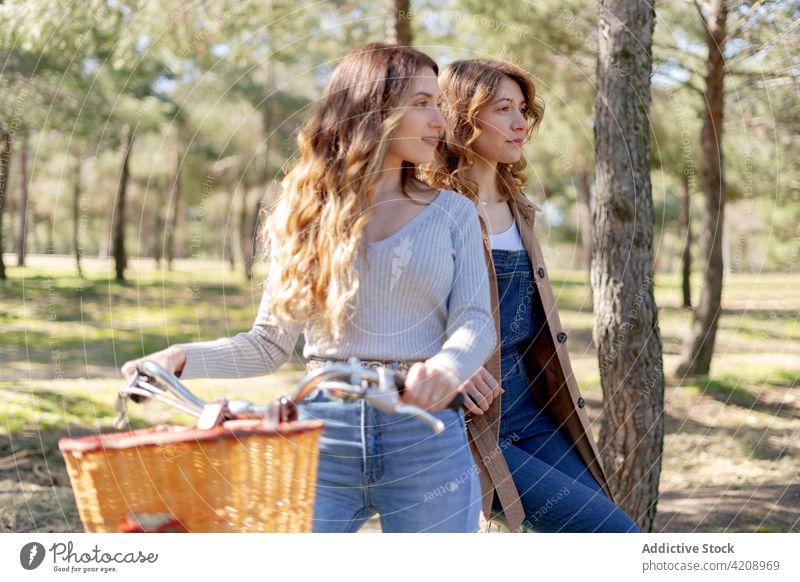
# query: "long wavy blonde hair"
466,86
312,236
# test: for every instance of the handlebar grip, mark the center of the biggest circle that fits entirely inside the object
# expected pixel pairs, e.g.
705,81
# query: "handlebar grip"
137,398
455,404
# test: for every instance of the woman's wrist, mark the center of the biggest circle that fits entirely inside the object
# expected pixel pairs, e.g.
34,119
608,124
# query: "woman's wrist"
446,371
178,359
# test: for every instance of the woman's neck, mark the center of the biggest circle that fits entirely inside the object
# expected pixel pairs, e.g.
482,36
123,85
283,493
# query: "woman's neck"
484,174
389,185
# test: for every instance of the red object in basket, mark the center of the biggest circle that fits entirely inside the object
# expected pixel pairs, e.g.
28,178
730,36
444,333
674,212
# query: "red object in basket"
152,523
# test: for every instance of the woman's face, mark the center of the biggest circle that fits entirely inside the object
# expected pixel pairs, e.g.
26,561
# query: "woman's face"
503,125
422,125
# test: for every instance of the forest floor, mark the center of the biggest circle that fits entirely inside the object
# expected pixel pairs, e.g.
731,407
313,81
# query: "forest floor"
731,460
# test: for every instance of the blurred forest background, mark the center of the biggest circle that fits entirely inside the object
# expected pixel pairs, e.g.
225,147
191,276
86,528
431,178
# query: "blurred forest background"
159,129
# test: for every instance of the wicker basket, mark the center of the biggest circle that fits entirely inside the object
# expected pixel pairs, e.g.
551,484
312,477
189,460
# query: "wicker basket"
242,476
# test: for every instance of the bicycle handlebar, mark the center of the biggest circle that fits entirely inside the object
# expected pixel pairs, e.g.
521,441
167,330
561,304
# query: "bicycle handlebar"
380,387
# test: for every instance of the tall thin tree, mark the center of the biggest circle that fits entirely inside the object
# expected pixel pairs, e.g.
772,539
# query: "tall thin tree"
698,348
171,223
686,235
120,256
76,214
626,328
24,203
398,26
5,165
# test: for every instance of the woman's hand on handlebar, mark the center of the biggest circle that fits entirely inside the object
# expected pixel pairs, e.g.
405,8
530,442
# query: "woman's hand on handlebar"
172,359
430,387
480,391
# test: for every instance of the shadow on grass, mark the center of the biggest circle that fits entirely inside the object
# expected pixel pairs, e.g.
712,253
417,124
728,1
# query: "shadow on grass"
730,391
755,443
768,507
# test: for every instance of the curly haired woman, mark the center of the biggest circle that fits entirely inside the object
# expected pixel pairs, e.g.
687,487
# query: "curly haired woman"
370,261
529,429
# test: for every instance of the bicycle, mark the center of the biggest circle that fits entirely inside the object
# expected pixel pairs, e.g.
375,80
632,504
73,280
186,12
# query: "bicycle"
242,467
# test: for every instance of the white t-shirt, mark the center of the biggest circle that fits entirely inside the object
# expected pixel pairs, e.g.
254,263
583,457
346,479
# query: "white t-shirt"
508,240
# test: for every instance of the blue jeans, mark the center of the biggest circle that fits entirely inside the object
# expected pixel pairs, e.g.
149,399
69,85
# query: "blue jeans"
375,462
557,491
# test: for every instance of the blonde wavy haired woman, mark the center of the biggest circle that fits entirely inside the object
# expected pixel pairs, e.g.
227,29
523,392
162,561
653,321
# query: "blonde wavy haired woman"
370,261
524,401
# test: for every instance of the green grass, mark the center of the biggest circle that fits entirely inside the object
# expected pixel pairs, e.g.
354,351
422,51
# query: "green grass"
53,410
60,328
63,341
57,327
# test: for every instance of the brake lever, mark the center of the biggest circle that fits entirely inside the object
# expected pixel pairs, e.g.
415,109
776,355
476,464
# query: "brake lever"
387,397
420,414
152,370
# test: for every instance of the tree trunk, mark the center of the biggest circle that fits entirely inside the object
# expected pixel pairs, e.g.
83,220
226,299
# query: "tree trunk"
264,177
252,242
398,26
5,165
626,329
238,222
51,241
174,206
229,244
23,203
686,232
157,238
585,212
76,218
726,248
699,346
120,257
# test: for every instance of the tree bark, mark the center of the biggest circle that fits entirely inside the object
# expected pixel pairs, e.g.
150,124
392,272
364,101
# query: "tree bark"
120,257
585,212
398,26
229,244
23,204
626,329
5,165
252,242
157,238
76,218
238,224
698,348
264,175
174,205
686,232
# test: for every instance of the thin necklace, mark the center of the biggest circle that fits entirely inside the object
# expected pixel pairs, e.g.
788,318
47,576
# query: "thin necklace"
487,203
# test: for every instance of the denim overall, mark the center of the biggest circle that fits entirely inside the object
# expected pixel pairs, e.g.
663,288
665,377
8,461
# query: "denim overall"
557,490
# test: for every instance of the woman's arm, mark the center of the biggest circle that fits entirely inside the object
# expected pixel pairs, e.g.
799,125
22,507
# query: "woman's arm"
262,350
471,336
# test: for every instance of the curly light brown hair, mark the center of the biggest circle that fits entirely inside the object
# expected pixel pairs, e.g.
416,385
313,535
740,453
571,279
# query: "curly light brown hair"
467,85
312,236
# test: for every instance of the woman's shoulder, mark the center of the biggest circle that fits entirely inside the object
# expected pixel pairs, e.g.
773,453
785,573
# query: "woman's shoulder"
525,203
455,202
